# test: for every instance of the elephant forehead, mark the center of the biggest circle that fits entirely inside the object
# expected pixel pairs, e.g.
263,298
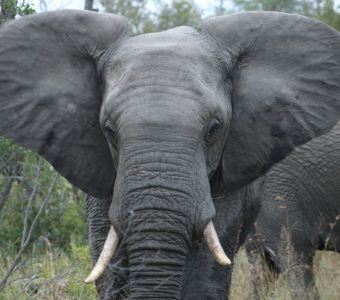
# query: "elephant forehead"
169,54
181,39
175,71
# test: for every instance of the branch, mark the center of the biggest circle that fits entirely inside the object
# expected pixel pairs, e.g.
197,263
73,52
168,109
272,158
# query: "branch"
23,247
30,200
6,192
14,156
8,187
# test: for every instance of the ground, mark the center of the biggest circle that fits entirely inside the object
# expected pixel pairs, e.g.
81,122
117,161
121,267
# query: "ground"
327,270
54,275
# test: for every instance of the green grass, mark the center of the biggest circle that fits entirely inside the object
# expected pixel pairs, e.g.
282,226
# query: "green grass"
54,275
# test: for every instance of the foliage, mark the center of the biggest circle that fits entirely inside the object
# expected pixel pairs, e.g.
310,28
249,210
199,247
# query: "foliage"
49,273
8,9
179,13
143,20
63,219
328,14
11,8
323,10
134,10
304,7
25,9
37,210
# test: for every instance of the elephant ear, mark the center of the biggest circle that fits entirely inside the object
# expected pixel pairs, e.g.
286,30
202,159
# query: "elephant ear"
50,91
285,74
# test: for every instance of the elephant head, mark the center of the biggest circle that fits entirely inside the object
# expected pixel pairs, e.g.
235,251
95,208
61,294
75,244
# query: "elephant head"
149,119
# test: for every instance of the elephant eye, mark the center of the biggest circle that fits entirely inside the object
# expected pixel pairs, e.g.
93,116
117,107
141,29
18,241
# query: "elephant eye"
109,129
215,127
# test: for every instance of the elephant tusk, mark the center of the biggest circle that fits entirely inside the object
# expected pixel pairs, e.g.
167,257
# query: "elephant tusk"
214,245
109,249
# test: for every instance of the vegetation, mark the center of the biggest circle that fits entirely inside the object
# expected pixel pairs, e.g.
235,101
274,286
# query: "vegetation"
57,275
327,273
177,14
42,217
10,8
144,20
323,10
49,274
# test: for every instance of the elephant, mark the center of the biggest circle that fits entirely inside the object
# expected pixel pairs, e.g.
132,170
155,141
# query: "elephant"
160,123
300,213
235,213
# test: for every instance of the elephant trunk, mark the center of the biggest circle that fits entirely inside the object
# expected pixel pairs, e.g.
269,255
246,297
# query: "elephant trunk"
158,247
159,218
210,236
160,203
161,198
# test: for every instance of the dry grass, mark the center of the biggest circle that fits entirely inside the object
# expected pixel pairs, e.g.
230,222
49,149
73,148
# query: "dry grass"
327,271
56,276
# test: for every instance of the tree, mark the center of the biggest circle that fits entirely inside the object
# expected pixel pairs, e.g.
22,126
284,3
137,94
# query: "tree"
10,169
8,9
305,7
134,10
89,5
11,8
144,20
328,14
180,12
323,10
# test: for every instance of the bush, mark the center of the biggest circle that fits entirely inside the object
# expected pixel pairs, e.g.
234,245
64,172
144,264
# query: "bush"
63,219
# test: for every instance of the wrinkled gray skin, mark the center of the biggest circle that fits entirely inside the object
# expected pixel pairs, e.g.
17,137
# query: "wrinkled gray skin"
155,121
205,279
300,213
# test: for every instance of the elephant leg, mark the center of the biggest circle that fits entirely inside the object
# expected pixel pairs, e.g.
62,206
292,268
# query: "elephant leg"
296,260
98,224
98,227
301,281
112,285
206,280
263,270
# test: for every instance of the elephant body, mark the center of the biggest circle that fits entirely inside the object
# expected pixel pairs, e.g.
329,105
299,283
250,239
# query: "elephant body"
158,124
300,213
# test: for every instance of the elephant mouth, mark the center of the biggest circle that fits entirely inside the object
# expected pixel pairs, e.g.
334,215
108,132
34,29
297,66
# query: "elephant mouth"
111,243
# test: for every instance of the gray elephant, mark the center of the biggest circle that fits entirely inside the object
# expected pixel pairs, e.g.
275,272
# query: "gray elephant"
235,213
300,213
157,120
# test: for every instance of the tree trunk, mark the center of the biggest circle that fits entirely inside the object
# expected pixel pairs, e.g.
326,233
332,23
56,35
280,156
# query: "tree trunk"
89,5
